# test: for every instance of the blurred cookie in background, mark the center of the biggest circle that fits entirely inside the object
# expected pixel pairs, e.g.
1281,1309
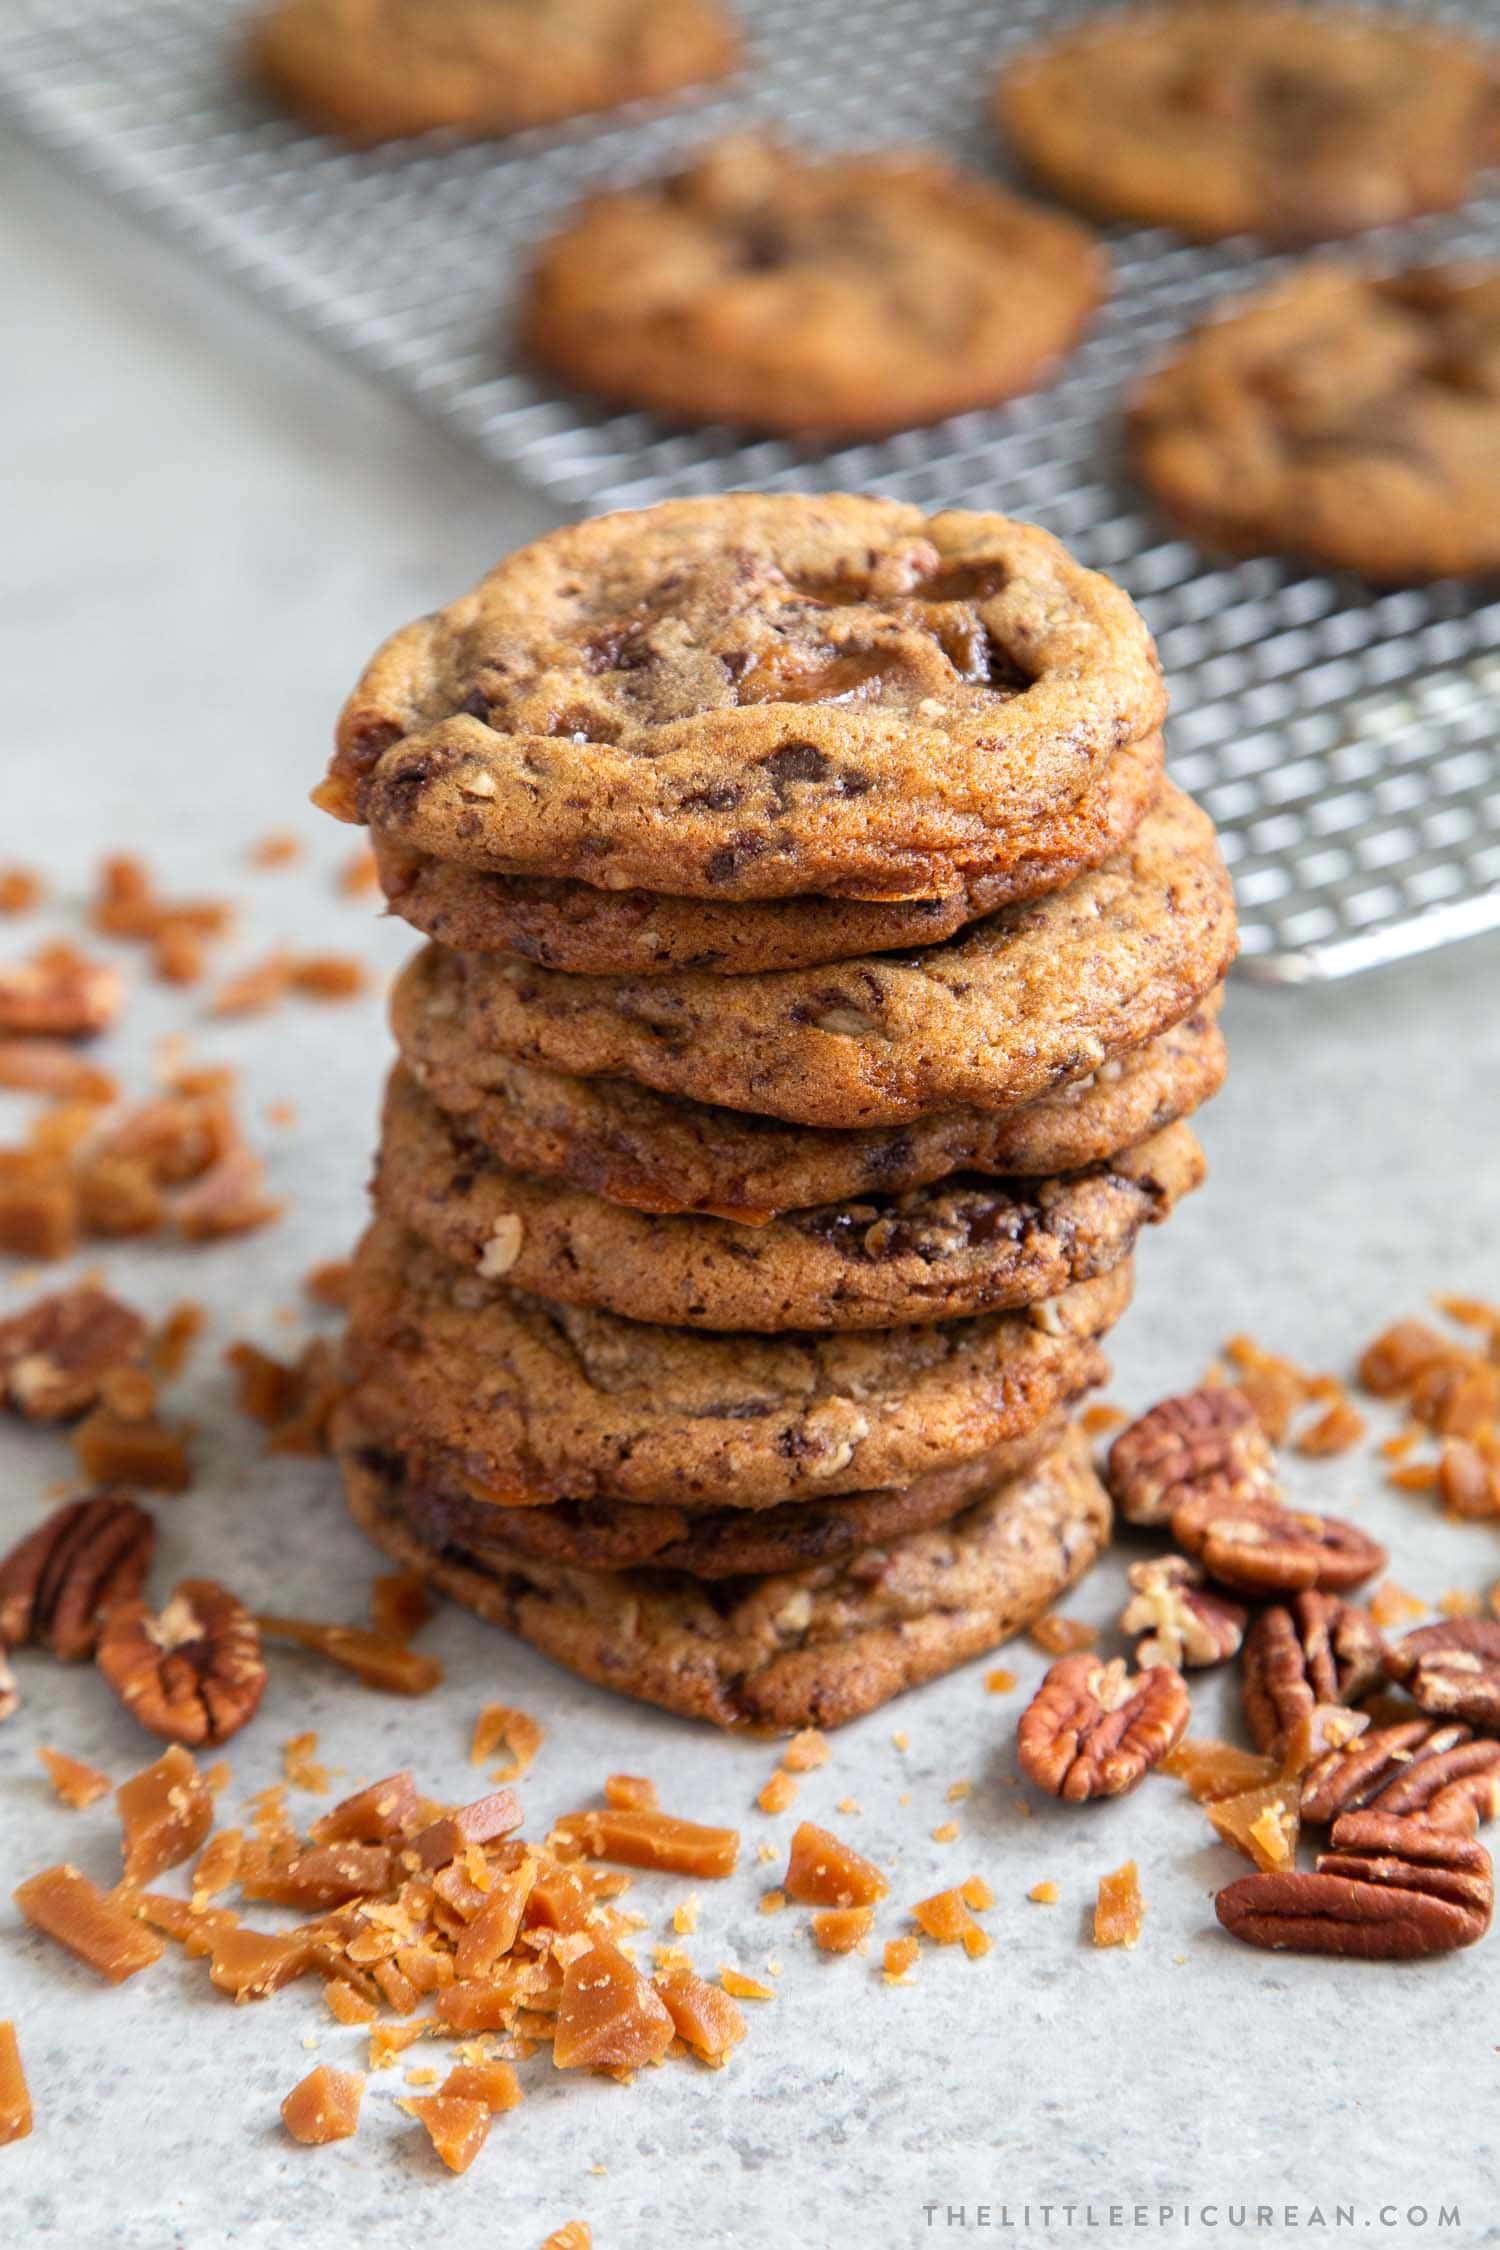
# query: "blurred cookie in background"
375,70
1296,124
1350,418
813,295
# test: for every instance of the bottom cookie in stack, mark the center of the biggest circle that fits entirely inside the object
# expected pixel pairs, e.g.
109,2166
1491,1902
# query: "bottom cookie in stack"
814,1646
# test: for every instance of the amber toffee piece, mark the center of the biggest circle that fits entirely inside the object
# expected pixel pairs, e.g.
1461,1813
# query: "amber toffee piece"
324,2106
94,1925
15,2095
753,697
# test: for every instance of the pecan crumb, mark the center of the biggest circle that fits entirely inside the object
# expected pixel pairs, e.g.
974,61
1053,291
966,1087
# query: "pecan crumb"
57,1351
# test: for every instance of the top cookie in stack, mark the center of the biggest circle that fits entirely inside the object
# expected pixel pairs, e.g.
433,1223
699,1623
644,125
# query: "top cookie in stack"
824,970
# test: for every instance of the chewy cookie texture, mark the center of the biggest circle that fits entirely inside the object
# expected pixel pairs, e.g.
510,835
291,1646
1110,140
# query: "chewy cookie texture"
825,975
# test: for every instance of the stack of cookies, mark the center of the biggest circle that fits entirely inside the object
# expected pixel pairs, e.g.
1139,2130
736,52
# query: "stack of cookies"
822,974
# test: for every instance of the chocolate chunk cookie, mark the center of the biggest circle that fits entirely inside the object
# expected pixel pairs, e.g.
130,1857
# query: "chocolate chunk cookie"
963,1245
588,932
708,1542
822,296
1000,1016
1347,417
375,70
754,697
808,1648
655,1154
538,1401
1292,123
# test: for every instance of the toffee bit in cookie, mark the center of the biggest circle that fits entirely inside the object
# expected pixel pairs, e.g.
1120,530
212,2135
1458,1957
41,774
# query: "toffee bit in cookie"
77,1785
95,1926
58,993
324,2106
15,2095
1120,1913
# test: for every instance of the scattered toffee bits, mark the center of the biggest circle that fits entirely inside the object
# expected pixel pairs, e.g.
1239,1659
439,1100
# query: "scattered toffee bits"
58,992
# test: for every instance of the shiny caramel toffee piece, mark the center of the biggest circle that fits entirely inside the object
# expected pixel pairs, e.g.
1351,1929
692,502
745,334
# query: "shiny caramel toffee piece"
809,1648
754,697
539,1401
998,1017
706,1543
833,296
654,1153
963,1245
1350,418
375,70
1292,123
590,932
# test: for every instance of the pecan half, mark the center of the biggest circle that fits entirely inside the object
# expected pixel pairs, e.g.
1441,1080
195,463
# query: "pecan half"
1094,1730
55,1352
1350,1777
1453,1668
1313,1649
68,1575
1389,1890
1184,1624
1455,1788
194,1674
1206,1442
1254,1546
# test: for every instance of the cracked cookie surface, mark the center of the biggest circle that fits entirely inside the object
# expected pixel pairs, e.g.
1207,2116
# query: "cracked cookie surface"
536,1401
962,1245
588,932
1351,418
1292,123
813,1647
997,1017
760,696
656,1153
375,70
821,296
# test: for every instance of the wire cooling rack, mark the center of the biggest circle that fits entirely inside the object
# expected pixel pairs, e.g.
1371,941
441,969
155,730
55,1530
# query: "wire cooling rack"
1343,739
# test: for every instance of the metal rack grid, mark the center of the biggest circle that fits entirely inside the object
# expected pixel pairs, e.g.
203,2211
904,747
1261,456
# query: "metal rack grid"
1342,738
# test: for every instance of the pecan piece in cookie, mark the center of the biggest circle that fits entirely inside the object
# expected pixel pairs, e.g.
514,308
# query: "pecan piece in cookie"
1184,1623
1353,1774
1095,1730
1255,1546
1206,1442
1389,1890
1314,1649
195,1673
55,1352
68,1575
1453,1668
